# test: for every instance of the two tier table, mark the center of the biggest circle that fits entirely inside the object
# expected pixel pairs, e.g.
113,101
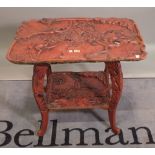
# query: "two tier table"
74,40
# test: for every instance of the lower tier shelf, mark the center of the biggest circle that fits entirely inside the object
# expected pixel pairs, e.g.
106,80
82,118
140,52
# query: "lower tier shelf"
78,90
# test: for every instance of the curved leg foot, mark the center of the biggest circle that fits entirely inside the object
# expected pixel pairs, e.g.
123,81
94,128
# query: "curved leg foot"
116,76
40,70
44,123
112,119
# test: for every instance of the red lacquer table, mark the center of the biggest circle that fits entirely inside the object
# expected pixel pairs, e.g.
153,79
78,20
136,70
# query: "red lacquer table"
49,41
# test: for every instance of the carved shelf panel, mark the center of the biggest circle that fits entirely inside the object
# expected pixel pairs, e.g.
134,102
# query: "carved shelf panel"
78,90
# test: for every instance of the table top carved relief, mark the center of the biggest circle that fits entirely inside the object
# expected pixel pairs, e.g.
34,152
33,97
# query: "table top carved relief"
77,40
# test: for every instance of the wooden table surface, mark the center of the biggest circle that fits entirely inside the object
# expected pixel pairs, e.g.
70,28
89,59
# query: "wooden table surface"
77,40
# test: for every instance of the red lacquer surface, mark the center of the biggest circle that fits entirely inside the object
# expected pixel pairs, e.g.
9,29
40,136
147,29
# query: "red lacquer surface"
46,41
77,40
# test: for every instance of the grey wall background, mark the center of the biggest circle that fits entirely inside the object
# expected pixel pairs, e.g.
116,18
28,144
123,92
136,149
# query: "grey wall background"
12,17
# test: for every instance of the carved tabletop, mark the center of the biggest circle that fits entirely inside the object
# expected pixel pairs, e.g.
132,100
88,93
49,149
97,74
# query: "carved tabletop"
77,40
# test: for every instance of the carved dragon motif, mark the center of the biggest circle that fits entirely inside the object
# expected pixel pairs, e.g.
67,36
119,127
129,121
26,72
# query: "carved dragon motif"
91,39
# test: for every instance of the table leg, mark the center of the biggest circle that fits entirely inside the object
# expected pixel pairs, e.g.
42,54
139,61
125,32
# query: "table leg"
116,76
39,73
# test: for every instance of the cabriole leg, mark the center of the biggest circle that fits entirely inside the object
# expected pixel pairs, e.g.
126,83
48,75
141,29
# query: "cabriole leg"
39,73
116,77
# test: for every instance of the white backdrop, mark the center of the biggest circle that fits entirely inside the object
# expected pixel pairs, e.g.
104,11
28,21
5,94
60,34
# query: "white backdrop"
12,17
